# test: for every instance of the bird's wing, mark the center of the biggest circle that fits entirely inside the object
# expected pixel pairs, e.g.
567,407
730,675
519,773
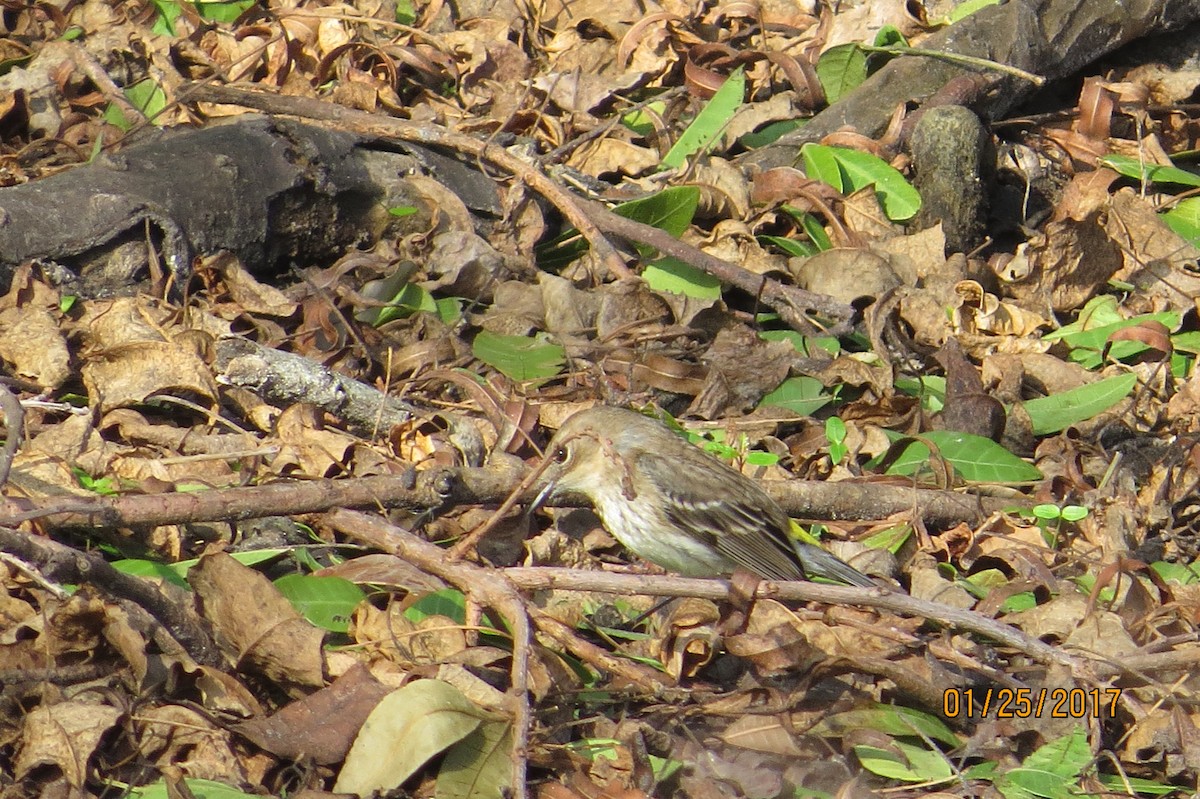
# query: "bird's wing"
721,507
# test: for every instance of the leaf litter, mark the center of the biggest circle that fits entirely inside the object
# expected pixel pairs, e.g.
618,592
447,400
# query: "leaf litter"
428,365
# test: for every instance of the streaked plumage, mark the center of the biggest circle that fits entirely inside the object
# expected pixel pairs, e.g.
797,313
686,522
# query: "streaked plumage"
672,504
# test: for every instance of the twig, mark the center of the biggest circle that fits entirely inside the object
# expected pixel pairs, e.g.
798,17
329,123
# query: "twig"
486,586
58,562
812,499
590,218
790,302
643,676
542,578
959,58
14,425
467,542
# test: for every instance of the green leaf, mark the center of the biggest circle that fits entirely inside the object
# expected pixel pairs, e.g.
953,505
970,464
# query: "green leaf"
1150,173
670,210
856,170
794,247
1118,785
809,223
930,389
479,766
520,358
406,13
146,96
327,602
802,395
964,10
673,275
411,298
1025,600
408,727
890,720
841,69
1047,511
1067,756
1074,513
164,23
890,36
1023,782
905,762
891,538
201,789
176,572
449,309
1098,321
226,11
1184,575
769,134
641,122
151,569
710,122
759,458
821,163
975,458
105,486
815,230
1058,412
1184,219
448,602
803,344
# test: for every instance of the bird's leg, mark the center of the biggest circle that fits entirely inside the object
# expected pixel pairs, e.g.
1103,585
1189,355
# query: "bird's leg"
743,584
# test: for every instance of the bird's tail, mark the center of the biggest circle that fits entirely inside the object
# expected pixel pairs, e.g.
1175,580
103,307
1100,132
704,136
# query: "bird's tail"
819,563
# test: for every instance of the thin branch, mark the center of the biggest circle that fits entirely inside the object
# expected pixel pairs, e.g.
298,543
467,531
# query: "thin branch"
959,58
14,426
485,586
438,488
545,578
56,561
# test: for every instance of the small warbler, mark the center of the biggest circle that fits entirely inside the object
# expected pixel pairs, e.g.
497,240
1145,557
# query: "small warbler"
676,506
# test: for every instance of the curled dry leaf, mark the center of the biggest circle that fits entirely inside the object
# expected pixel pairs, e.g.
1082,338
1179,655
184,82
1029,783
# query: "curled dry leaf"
30,336
977,311
689,639
255,626
63,735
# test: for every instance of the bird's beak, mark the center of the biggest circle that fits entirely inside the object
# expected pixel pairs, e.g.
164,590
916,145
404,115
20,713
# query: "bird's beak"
542,497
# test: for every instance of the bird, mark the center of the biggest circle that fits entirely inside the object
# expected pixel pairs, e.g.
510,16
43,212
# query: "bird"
674,505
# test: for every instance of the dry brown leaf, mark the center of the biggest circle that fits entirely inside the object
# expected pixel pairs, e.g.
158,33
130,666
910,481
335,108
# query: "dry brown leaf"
63,735
307,447
847,275
389,633
30,335
173,735
609,155
732,240
247,293
689,639
132,373
255,626
1064,266
323,724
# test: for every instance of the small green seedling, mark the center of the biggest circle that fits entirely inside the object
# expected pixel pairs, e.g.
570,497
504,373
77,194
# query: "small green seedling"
835,433
1050,519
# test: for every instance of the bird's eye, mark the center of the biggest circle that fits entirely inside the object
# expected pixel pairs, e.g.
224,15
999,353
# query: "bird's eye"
561,455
